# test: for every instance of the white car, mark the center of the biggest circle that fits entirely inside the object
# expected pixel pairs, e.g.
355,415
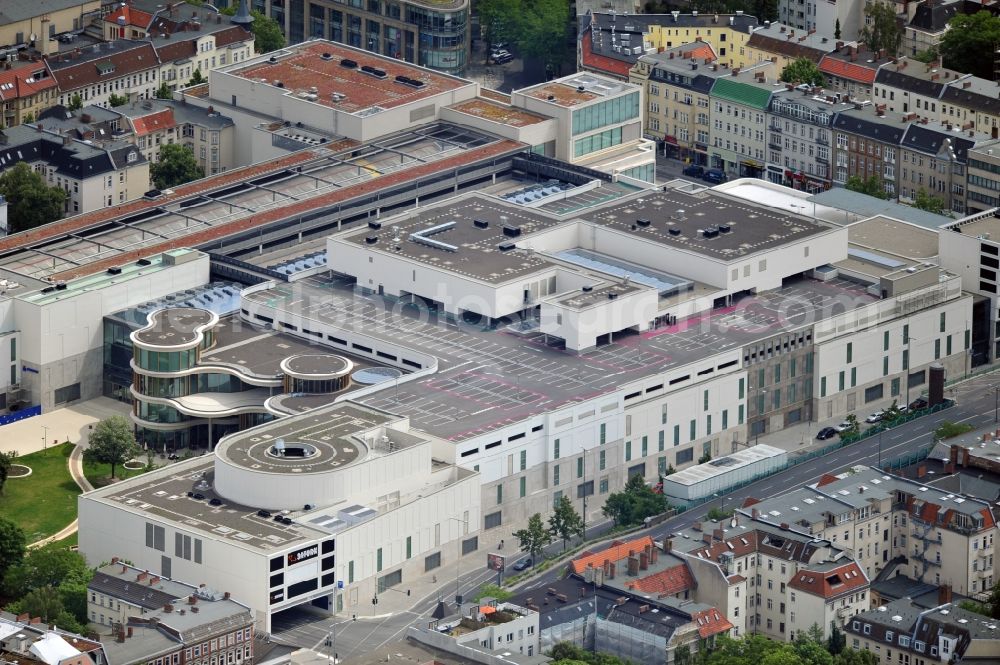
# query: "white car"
842,427
874,418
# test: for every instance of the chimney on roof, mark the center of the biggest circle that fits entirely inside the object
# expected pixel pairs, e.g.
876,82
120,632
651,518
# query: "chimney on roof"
696,526
654,555
43,36
633,566
128,632
668,545
643,561
120,636
718,534
611,571
706,538
944,594
168,608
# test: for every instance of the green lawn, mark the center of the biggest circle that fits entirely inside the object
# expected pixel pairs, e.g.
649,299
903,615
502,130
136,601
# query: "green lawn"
99,474
44,502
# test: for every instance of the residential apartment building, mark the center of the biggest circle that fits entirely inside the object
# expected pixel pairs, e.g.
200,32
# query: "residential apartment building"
850,71
611,43
784,45
983,177
934,158
739,105
26,89
96,72
23,19
678,83
865,145
800,137
902,631
93,176
430,34
210,136
146,616
972,249
813,15
927,25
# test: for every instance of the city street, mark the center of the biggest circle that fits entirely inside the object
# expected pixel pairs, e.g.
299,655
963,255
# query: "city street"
372,631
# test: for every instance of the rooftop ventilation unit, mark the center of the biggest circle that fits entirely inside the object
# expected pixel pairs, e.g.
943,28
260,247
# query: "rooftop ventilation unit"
725,228
423,237
511,231
273,58
143,262
588,288
348,63
374,71
326,56
375,225
481,223
60,286
413,83
114,270
710,232
642,222
674,232
613,295
371,240
506,246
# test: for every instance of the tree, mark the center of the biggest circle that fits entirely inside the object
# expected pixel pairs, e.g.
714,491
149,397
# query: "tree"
855,657
164,92
6,461
498,19
28,117
882,30
837,640
853,426
196,78
891,413
494,591
565,522
117,100
112,441
75,103
12,545
267,35
542,31
803,70
872,185
177,166
634,503
52,565
836,29
618,507
534,538
43,602
969,40
30,202
928,56
925,201
682,655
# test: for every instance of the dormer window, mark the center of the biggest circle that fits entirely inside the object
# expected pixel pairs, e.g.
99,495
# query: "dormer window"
105,68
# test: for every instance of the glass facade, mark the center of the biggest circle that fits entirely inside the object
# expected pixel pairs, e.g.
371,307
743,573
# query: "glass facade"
611,112
646,173
314,386
600,141
166,361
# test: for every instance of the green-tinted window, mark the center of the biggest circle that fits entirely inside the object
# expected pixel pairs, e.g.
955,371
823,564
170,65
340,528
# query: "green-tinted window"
760,403
885,366
610,112
602,460
885,341
822,387
604,485
350,572
742,389
609,138
523,486
555,475
967,341
760,377
937,349
854,376
579,467
906,333
906,359
894,387
378,560
555,451
677,435
645,446
942,321
850,352
604,433
840,381
777,373
725,418
948,346
776,398
708,425
809,363
662,441
693,429
628,451
740,415
704,405
791,368
499,494
409,546
524,460
13,350
661,465
791,393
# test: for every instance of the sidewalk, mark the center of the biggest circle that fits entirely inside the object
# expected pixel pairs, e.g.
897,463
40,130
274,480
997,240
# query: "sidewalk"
59,425
76,472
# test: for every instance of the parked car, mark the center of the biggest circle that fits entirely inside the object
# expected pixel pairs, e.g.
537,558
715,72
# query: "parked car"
695,170
522,564
714,176
826,433
874,418
919,403
501,58
842,427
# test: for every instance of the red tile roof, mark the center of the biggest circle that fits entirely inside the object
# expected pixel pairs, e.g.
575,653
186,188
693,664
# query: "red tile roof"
830,583
847,70
826,479
299,207
711,622
154,122
618,551
133,16
601,63
988,521
667,582
19,83
128,61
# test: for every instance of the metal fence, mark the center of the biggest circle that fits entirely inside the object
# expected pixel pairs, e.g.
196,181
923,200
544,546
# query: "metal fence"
794,460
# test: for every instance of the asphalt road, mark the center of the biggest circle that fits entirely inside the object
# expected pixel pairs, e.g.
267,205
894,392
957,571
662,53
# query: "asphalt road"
371,632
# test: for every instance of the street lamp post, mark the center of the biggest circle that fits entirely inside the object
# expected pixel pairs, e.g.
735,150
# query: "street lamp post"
458,559
45,437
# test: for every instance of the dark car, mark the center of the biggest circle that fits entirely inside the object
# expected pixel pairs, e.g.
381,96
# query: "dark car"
695,170
522,564
826,433
198,496
215,502
714,176
917,404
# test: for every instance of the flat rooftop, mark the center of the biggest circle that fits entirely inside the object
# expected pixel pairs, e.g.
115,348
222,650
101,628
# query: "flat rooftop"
323,66
580,300
678,218
308,444
577,89
907,240
174,326
488,109
488,379
986,225
465,237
